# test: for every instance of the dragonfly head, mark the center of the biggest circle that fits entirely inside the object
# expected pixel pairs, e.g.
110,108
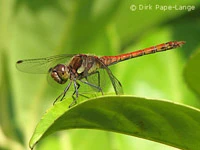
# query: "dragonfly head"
60,73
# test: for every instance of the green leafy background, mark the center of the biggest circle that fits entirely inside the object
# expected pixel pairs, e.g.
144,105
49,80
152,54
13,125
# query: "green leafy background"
31,29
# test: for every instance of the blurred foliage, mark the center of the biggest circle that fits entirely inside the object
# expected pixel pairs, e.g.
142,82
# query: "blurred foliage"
191,73
31,29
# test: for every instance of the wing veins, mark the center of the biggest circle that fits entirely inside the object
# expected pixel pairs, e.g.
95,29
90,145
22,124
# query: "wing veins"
41,65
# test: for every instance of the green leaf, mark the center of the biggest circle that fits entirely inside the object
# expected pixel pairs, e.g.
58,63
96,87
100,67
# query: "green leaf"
160,121
191,73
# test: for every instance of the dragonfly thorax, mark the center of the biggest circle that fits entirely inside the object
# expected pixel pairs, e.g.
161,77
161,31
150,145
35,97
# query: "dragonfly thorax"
60,73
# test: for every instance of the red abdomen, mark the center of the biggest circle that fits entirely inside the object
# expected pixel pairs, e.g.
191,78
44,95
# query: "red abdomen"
109,60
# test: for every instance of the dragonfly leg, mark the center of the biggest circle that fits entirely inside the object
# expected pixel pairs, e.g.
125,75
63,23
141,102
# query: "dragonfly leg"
99,80
92,85
63,93
98,74
76,87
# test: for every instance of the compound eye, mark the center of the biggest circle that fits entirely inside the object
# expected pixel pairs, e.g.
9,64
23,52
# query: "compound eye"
60,73
60,68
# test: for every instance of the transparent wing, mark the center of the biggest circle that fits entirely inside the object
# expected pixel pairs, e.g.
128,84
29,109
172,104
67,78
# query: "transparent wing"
115,82
42,65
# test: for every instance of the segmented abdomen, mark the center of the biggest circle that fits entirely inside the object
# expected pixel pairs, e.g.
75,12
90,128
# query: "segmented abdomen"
109,60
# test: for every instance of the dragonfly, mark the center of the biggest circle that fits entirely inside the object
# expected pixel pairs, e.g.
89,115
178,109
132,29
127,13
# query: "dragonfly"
77,69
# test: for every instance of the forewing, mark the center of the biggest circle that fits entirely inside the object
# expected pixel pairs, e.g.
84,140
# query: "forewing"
42,65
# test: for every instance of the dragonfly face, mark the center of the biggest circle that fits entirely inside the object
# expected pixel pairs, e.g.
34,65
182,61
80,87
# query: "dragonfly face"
60,73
